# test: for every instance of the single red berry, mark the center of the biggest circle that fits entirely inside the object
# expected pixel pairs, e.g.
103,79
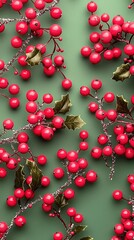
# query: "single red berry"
115,30
128,224
34,24
8,124
16,42
58,60
56,12
20,221
119,229
23,148
130,235
118,129
93,107
19,193
96,152
72,156
118,20
119,149
111,114
31,107
96,84
129,128
94,20
102,139
45,181
100,114
73,167
117,195
91,176
47,133
48,198
58,173
3,83
3,227
117,52
22,137
85,51
14,89
83,163
42,159
2,64
132,187
95,58
71,212
109,97
14,103
58,122
94,37
46,207
98,47
30,13
122,138
47,98
25,74
17,5
29,180
106,36
55,30
130,178
107,151
58,236
50,71
69,193
3,172
11,201
12,163
49,113
83,146
61,154
80,181
92,7
29,193
83,134
39,4
78,218
32,95
105,17
22,60
84,91
129,49
125,213
66,84
22,27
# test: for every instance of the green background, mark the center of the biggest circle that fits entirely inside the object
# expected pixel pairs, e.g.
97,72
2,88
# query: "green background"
94,201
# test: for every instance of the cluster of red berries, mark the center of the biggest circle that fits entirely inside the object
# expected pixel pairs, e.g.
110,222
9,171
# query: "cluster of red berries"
75,168
13,89
30,27
121,119
124,230
105,40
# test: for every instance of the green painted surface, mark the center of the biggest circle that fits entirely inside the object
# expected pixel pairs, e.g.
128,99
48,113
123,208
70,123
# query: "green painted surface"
95,202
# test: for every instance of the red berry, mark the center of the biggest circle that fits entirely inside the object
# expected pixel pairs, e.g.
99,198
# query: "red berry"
14,103
14,89
17,5
42,159
91,176
106,36
69,193
84,91
80,181
107,151
48,198
130,178
25,74
73,167
39,4
108,54
83,134
31,107
47,133
22,27
92,7
117,52
94,37
78,218
119,149
94,20
61,154
55,30
122,138
95,57
11,201
58,236
12,163
115,30
22,137
29,193
118,129
2,64
128,224
3,83
96,152
50,71
117,195
66,84
93,107
47,98
118,20
100,114
58,173
56,12
125,213
83,146
72,156
46,207
111,114
34,24
58,122
86,51
16,42
30,13
19,193
119,229
96,84
83,163
71,212
3,172
20,221
45,181
23,148
3,227
129,49
105,17
130,235
8,124
102,139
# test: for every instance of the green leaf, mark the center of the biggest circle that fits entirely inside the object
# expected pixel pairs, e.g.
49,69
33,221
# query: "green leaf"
79,228
63,106
87,238
122,105
19,178
122,72
73,122
36,174
61,201
34,57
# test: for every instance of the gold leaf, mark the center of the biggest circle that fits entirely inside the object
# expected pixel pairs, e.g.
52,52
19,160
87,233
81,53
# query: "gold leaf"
34,57
122,72
74,122
63,106
19,178
122,105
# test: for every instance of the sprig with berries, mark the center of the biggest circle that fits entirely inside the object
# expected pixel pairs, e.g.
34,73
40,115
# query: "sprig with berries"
29,178
125,229
108,39
120,118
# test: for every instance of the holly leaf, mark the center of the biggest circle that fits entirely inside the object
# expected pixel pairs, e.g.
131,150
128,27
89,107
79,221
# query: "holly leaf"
63,106
34,57
36,174
19,178
122,72
87,238
122,105
79,228
61,201
74,122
